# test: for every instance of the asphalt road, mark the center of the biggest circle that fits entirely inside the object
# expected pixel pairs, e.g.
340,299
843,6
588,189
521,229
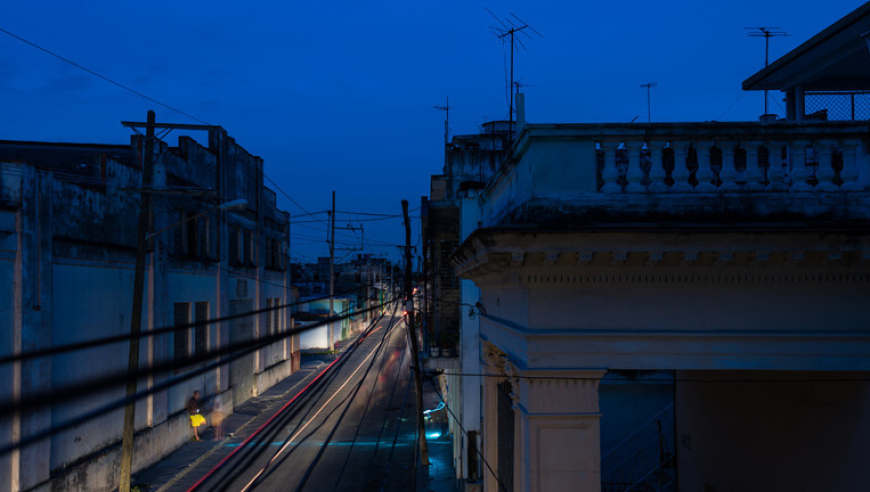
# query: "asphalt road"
353,430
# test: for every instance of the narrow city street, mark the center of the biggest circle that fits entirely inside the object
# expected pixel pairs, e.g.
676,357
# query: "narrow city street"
350,428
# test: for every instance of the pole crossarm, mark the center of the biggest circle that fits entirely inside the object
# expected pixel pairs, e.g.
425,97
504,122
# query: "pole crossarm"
170,126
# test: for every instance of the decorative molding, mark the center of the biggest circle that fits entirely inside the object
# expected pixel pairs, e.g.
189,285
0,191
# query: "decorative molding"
496,256
550,258
654,258
715,276
689,258
517,259
493,358
584,257
618,258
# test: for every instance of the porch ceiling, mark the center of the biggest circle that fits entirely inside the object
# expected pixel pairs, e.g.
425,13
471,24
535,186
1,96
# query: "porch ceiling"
835,59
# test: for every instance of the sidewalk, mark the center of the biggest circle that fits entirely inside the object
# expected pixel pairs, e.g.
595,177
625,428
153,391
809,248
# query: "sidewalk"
169,470
441,475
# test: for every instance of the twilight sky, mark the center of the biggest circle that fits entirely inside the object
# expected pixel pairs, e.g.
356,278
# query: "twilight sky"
338,95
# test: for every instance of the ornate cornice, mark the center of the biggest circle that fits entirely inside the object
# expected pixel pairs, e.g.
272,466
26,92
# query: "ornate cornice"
663,257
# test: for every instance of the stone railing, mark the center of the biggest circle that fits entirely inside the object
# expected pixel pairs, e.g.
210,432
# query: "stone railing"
791,159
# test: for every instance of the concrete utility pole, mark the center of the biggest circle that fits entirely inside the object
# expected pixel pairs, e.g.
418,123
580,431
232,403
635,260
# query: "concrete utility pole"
412,333
330,329
136,316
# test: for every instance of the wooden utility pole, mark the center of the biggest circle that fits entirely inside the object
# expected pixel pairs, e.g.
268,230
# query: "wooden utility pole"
330,328
412,334
136,315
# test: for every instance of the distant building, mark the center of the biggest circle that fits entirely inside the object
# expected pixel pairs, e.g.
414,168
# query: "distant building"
729,262
68,223
470,161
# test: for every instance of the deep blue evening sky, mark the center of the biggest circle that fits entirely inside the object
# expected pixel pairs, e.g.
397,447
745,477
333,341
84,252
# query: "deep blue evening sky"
339,95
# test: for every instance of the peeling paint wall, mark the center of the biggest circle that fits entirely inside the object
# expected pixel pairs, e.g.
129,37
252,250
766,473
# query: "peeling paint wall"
74,207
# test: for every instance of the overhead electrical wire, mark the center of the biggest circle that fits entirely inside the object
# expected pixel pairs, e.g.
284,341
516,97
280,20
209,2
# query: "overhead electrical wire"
232,353
311,393
92,343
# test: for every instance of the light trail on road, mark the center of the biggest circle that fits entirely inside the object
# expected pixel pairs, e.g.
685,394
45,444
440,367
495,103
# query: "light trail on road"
305,426
352,420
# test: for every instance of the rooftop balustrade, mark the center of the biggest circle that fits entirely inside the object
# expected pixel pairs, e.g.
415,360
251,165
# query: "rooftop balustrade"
591,165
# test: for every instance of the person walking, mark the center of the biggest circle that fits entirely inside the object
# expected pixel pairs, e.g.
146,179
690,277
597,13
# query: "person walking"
193,406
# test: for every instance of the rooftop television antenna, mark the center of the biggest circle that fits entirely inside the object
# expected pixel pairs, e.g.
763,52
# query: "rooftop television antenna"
649,85
766,33
512,28
446,108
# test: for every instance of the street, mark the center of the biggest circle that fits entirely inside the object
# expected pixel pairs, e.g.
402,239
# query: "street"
352,428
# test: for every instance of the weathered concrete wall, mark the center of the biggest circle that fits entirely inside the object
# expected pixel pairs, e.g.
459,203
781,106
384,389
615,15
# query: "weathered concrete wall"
8,254
152,444
92,300
75,272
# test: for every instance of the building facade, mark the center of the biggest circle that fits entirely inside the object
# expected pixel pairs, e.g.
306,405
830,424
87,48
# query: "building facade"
449,215
68,228
727,262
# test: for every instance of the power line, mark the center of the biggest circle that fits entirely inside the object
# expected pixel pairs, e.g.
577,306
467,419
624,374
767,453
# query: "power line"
99,384
143,96
59,427
107,79
431,381
72,347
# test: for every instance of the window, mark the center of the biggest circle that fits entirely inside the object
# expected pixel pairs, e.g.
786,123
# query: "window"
181,349
274,254
248,247
192,237
276,314
273,316
235,256
200,337
270,328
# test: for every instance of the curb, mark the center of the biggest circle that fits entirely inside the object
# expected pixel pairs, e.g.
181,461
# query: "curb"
204,456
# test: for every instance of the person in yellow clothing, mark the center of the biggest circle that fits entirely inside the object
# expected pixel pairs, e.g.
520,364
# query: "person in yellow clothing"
193,406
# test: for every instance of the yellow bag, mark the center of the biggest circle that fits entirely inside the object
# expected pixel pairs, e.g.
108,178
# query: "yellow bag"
197,420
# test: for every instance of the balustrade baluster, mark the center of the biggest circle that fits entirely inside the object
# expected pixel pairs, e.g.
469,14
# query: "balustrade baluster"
826,173
754,170
775,171
849,174
657,173
705,174
681,172
610,173
799,171
729,170
634,174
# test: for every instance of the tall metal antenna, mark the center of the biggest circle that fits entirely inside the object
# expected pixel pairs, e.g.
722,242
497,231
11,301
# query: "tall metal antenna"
766,33
446,109
512,28
649,85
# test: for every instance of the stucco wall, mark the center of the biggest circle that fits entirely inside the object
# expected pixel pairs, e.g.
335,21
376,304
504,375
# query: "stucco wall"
741,306
104,294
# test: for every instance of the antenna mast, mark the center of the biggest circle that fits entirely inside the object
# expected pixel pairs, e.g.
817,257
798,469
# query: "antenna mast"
766,33
446,109
511,29
649,85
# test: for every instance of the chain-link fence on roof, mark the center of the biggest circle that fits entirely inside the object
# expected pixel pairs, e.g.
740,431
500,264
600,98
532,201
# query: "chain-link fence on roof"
837,106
